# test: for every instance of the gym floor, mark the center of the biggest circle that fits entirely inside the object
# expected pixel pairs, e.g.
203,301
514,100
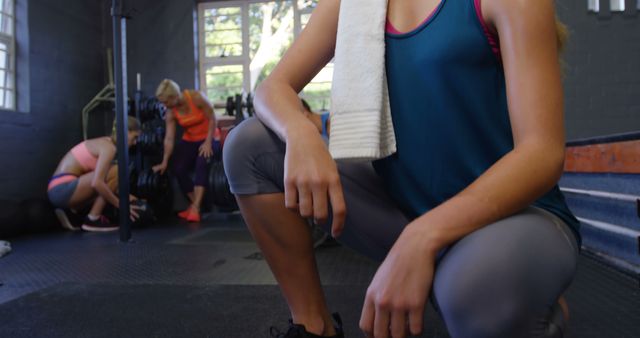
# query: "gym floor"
209,280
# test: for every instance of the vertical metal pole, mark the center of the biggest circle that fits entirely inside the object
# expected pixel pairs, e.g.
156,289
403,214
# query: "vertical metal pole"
120,59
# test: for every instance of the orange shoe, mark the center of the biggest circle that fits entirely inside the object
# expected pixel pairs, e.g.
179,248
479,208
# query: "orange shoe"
185,213
194,216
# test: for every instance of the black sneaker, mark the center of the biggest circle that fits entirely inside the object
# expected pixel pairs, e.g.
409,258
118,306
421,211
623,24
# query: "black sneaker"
299,331
102,224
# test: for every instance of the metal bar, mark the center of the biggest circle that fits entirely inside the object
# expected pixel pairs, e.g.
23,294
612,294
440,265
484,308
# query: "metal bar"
611,228
223,44
120,55
602,194
223,30
103,95
223,15
110,65
138,103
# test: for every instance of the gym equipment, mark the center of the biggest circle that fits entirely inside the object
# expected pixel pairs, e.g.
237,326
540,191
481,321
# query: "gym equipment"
151,139
150,184
236,106
121,105
219,190
231,106
150,109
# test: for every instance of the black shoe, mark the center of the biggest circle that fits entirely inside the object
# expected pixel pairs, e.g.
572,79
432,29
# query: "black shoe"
299,331
102,224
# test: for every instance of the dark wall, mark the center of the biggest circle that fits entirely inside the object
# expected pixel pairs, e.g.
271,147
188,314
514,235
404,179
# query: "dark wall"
160,40
602,85
65,64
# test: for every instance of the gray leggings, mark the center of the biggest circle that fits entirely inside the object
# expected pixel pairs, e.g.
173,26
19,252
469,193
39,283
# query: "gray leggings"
502,280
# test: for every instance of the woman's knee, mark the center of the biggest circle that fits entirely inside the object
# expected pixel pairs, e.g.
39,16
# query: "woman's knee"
492,283
469,311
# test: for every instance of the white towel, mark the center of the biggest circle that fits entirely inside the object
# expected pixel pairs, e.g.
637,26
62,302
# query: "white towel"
361,126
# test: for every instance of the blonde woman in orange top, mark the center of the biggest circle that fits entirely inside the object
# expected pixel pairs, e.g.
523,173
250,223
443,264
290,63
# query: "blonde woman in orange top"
194,113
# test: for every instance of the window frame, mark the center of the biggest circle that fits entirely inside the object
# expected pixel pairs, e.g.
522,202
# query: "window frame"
10,87
244,59
236,60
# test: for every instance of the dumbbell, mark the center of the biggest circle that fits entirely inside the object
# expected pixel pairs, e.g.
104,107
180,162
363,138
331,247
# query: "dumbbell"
231,106
249,104
235,105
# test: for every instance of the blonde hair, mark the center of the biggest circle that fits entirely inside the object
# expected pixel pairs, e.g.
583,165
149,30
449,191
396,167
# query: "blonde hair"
132,125
167,88
562,35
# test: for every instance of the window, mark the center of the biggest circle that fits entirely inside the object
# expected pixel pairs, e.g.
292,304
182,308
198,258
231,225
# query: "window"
240,43
614,5
617,5
7,55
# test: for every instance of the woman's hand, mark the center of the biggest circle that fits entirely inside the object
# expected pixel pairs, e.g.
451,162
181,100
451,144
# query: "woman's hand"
133,212
311,181
162,167
395,300
205,149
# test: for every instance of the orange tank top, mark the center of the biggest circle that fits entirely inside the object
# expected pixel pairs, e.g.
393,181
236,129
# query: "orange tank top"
195,122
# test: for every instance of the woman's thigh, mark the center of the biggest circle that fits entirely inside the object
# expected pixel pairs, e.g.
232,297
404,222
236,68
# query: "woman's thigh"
61,194
501,280
84,192
185,156
254,164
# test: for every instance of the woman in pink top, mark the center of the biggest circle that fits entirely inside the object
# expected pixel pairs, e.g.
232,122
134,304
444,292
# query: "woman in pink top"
85,174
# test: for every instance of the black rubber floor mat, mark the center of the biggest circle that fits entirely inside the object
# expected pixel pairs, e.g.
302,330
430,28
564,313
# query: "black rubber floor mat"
604,302
225,311
155,287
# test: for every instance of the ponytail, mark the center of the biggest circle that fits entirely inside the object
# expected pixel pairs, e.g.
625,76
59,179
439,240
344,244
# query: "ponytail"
133,125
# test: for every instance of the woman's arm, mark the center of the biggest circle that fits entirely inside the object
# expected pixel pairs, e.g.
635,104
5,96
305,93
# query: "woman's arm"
276,101
203,103
527,35
106,153
310,173
169,140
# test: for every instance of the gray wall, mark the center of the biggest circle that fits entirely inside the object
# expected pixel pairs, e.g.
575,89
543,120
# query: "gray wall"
65,69
161,43
602,85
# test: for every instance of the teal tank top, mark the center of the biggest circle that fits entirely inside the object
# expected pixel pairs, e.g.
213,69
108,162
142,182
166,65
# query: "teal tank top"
449,108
